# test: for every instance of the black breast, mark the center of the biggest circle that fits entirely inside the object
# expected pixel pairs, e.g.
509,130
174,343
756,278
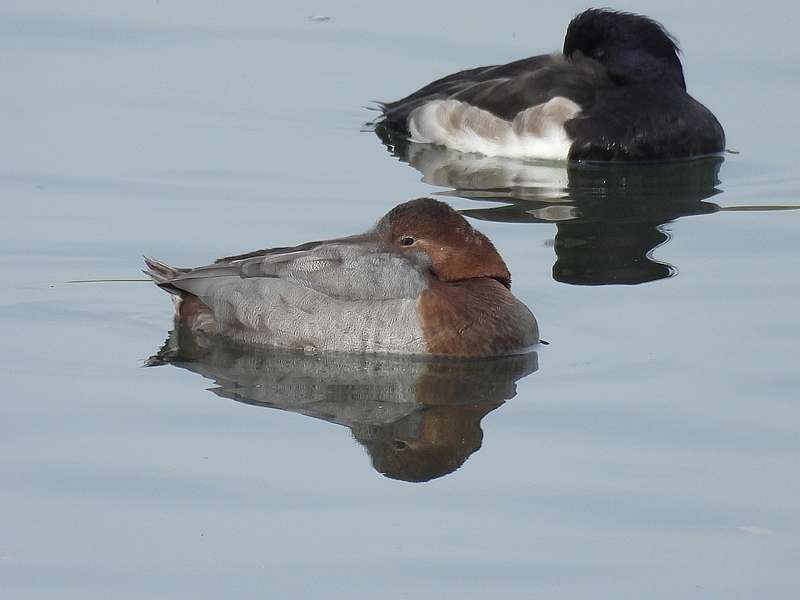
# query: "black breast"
649,121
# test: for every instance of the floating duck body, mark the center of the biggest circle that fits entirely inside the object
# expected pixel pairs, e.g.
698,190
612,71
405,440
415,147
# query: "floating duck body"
615,93
422,281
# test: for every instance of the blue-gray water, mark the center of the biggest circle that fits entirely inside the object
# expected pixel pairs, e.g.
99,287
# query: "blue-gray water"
649,452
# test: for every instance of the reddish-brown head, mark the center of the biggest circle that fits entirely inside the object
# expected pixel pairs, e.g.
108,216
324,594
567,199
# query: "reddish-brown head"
456,250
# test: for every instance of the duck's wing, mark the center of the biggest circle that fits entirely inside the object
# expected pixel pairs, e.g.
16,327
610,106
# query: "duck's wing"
507,96
450,84
277,250
506,90
344,269
441,88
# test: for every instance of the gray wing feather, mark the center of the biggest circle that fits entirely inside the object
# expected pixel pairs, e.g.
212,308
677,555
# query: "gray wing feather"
340,270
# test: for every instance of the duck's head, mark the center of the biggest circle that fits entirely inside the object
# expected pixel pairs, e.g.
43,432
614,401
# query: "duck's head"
634,48
435,235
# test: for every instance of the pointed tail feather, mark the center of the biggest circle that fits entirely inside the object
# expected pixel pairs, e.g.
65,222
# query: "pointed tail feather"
160,272
181,281
163,274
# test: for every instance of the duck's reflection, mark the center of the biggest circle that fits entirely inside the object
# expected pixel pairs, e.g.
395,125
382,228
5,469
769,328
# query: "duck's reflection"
418,418
609,217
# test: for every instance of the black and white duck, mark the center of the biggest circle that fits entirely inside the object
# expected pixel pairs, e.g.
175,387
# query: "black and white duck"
615,93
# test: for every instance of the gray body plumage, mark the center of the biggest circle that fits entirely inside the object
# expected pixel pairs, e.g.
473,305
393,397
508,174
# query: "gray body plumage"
335,296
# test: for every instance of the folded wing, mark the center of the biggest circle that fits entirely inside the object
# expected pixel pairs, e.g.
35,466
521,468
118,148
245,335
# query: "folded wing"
344,270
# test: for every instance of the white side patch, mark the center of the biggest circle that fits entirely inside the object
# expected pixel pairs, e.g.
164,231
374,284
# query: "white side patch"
537,132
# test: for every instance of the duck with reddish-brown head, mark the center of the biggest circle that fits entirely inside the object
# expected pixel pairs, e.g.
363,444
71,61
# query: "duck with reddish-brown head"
422,281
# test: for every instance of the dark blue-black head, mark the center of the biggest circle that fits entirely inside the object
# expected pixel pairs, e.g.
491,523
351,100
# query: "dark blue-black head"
634,49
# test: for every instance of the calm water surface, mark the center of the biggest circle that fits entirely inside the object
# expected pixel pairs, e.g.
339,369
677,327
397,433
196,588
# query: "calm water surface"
650,451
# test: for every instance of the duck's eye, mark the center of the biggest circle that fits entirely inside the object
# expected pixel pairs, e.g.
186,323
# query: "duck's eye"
399,445
407,240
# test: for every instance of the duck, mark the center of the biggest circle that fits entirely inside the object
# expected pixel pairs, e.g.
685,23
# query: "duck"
421,281
616,92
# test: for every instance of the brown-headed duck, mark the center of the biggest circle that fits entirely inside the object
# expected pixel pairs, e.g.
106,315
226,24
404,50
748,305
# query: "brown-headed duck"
421,281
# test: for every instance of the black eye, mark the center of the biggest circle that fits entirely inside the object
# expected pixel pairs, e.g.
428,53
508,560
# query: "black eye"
407,240
399,445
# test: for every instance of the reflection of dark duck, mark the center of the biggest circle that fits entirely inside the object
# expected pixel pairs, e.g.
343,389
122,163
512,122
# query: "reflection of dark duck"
615,217
615,93
418,418
612,242
609,217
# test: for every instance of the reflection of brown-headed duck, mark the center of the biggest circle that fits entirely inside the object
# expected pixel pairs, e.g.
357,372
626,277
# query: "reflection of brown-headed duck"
428,443
418,417
422,281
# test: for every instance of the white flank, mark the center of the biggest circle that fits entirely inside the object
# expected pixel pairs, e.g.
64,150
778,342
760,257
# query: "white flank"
537,132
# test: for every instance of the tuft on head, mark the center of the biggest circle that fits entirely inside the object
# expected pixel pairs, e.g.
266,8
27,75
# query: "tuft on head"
456,250
633,48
